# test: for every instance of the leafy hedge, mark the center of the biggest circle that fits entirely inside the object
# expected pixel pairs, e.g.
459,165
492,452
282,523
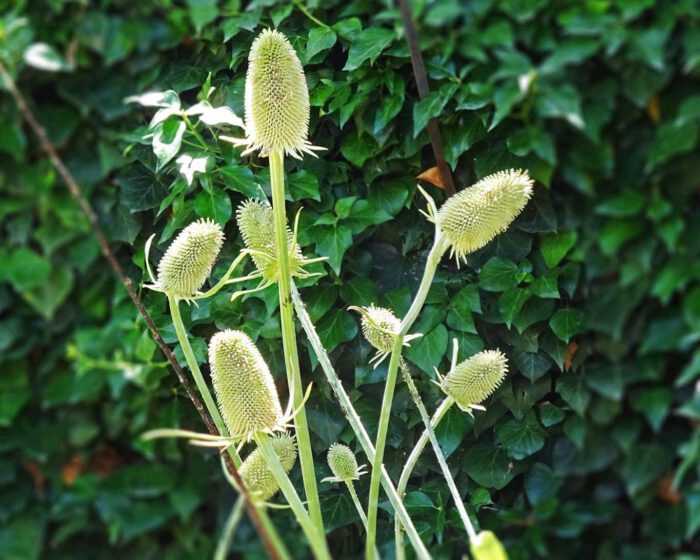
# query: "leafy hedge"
591,449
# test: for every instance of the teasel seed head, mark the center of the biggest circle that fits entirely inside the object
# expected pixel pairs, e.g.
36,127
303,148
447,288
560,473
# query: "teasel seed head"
245,391
258,477
378,324
188,261
477,214
473,380
256,223
276,98
343,463
486,546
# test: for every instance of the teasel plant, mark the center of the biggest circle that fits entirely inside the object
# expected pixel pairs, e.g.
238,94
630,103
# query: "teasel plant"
247,410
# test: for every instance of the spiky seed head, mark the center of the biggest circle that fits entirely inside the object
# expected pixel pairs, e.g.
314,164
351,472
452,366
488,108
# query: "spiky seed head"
245,391
188,261
256,223
474,379
258,477
486,546
477,214
276,96
375,322
342,462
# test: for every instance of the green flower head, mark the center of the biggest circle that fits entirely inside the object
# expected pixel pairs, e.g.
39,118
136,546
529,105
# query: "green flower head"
188,261
343,463
473,380
477,214
276,98
245,391
258,477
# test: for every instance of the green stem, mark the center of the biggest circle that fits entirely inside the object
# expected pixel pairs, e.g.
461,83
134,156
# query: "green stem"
410,465
356,501
354,420
289,341
194,131
316,539
440,245
216,417
464,516
229,531
308,14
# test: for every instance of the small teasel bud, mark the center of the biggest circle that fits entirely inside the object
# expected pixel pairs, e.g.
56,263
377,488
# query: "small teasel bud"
256,223
258,477
486,546
276,96
473,380
477,214
244,387
343,463
188,261
375,322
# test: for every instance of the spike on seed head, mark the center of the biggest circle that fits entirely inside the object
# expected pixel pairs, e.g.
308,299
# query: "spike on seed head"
188,261
256,222
245,391
276,97
255,473
377,324
343,463
474,379
477,214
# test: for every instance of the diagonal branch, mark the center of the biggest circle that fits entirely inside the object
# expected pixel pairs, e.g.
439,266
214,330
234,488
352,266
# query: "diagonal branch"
423,90
109,255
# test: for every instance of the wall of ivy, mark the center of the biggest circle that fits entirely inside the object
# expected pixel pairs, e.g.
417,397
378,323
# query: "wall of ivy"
591,449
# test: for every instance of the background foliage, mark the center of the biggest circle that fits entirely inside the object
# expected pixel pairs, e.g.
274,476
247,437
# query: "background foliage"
591,448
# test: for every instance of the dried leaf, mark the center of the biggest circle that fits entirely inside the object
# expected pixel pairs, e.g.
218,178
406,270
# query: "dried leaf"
432,176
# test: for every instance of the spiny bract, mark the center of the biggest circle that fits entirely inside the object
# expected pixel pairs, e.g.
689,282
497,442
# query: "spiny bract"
258,477
473,380
342,462
375,322
477,214
244,387
276,97
256,223
188,261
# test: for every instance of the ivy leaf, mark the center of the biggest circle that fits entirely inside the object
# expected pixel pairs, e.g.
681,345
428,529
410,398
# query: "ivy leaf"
368,45
214,204
498,275
428,351
574,392
522,438
240,179
645,463
555,246
488,465
167,140
567,323
332,241
320,39
452,430
337,326
511,302
431,106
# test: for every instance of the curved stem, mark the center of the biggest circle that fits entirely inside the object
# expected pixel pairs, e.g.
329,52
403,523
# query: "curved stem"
308,14
213,410
440,245
464,516
289,339
316,539
445,405
354,420
229,531
356,501
194,131
224,279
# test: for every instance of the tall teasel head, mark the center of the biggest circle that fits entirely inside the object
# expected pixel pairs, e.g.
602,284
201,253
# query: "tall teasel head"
245,391
188,261
343,464
276,98
380,327
258,477
477,214
473,380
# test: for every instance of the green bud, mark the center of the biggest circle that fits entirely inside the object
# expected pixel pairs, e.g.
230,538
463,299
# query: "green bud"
258,477
245,391
477,214
343,463
375,322
486,546
188,261
276,97
473,380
